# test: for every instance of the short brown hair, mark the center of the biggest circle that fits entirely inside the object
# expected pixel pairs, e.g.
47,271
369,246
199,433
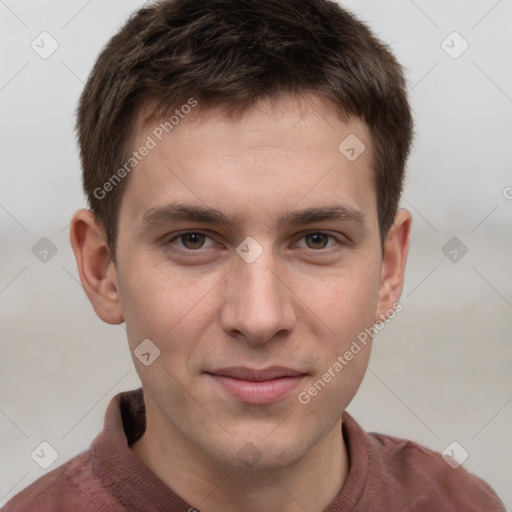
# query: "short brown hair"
234,53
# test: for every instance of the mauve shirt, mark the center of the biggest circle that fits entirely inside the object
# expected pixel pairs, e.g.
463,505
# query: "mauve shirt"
385,474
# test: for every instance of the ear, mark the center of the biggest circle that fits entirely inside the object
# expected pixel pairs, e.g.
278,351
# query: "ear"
396,248
96,269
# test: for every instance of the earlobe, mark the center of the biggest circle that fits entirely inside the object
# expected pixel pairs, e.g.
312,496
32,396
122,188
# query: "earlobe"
97,272
396,248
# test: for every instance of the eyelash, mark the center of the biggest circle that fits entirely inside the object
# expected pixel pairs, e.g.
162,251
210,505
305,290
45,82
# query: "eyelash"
183,249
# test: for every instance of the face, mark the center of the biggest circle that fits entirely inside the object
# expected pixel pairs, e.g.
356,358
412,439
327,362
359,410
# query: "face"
249,254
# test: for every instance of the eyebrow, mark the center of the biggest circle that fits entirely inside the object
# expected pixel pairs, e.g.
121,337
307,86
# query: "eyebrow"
183,212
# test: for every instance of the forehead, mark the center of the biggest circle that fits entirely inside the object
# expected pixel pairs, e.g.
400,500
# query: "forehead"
274,156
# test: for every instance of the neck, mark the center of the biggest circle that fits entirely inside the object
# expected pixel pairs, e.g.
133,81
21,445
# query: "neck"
311,484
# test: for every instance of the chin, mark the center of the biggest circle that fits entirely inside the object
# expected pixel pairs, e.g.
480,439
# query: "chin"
263,455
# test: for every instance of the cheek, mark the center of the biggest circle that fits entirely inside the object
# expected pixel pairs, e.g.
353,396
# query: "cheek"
165,309
346,303
343,354
166,305
345,300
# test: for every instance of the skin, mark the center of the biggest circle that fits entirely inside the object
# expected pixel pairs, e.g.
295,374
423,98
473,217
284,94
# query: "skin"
299,304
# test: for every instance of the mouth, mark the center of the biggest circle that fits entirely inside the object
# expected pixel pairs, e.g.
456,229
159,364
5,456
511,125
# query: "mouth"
257,387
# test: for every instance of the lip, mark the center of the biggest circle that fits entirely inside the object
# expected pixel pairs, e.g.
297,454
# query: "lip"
257,387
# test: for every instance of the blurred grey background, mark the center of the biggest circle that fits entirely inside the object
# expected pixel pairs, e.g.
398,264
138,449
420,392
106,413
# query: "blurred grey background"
440,371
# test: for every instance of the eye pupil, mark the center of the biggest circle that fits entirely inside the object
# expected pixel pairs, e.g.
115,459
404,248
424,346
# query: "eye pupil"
193,240
319,240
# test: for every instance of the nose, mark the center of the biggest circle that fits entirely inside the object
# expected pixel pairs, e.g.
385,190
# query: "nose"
258,305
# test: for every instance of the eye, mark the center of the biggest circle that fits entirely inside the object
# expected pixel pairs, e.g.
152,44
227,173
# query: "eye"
318,240
192,240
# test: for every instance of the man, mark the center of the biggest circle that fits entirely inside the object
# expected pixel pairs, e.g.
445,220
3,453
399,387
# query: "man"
243,161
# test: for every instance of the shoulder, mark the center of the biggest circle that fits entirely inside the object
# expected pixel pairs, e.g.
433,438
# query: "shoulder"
63,489
425,478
